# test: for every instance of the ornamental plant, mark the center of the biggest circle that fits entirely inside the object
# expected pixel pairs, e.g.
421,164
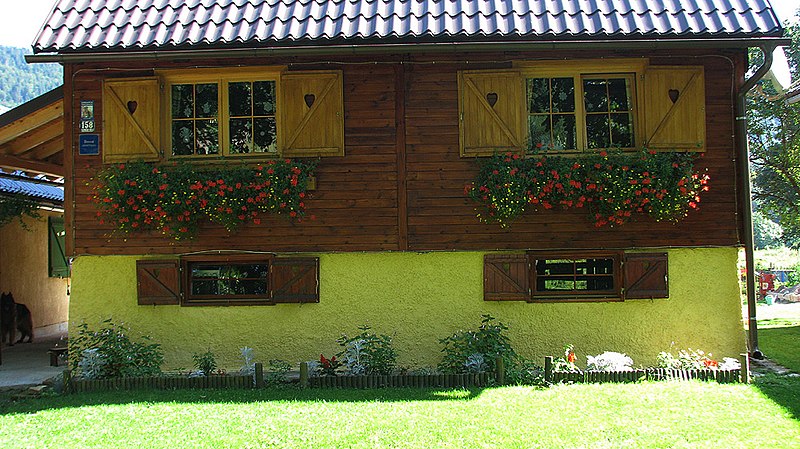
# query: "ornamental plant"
612,187
175,199
368,353
476,350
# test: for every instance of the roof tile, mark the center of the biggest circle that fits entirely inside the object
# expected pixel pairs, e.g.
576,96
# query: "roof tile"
88,25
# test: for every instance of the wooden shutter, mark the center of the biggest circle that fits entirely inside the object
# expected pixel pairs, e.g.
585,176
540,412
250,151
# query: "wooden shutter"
505,277
58,265
158,282
295,280
674,102
491,112
131,111
311,114
645,276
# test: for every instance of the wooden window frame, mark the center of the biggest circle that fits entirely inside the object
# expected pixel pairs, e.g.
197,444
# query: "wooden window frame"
188,300
221,77
613,295
632,69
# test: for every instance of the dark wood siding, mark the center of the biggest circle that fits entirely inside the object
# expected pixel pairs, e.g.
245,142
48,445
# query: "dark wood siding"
359,198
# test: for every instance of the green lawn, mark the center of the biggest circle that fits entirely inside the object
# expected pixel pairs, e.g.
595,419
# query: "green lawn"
779,334
646,415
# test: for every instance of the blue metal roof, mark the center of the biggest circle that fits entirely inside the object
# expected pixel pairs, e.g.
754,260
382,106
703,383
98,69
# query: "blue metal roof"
91,25
31,189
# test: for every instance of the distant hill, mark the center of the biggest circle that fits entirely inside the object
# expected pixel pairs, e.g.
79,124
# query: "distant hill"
20,82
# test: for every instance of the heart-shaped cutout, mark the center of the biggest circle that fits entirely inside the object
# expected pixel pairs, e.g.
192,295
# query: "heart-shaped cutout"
491,97
309,99
673,95
132,105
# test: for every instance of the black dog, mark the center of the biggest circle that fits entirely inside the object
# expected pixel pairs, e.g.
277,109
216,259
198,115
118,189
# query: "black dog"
14,317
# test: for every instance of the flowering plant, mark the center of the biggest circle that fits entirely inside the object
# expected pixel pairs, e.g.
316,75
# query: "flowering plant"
175,199
612,187
566,363
329,366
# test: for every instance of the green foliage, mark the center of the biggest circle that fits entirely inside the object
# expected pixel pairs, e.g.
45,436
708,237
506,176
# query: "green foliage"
766,233
774,142
206,363
688,359
175,199
611,187
20,81
278,371
123,356
476,350
368,353
15,207
525,372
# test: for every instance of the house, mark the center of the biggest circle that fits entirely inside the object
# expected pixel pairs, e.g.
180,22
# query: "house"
398,103
33,265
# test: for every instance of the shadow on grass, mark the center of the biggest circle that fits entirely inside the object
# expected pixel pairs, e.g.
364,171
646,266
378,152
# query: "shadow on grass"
783,390
9,405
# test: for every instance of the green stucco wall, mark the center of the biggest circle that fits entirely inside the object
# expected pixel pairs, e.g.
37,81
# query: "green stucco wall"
418,299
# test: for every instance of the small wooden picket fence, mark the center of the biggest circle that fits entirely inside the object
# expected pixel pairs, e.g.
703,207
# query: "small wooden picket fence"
165,382
720,376
400,381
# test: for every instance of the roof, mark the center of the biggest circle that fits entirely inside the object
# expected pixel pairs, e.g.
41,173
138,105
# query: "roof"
95,25
32,135
35,188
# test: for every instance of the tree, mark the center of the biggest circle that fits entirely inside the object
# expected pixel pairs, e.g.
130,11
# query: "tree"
774,138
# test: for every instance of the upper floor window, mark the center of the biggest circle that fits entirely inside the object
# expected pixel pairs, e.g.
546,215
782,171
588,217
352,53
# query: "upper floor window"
259,112
570,106
568,113
223,118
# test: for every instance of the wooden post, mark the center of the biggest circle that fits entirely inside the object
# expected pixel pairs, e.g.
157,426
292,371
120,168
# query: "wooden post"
745,369
259,383
67,381
548,369
303,374
500,373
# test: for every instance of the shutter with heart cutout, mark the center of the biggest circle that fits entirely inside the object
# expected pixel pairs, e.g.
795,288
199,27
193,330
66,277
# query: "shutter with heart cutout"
158,282
131,120
491,112
673,100
311,114
645,276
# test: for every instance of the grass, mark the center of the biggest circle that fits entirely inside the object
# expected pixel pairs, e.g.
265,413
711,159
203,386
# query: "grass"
779,334
645,415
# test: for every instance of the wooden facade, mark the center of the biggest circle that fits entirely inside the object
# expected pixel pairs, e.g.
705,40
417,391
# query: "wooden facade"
400,184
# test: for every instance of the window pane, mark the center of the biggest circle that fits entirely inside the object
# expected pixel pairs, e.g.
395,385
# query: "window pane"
619,94
594,92
207,137
538,95
264,92
564,132
622,130
563,283
539,131
563,95
241,135
182,138
182,100
264,135
204,287
239,99
206,100
597,131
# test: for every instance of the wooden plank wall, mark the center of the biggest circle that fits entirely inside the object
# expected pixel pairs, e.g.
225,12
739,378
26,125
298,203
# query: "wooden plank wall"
405,191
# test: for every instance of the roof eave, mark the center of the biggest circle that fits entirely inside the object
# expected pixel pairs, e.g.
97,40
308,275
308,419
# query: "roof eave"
99,55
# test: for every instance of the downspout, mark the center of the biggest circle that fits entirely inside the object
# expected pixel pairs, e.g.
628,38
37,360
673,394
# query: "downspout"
745,195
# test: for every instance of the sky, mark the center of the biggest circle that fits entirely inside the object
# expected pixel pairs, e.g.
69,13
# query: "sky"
20,20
